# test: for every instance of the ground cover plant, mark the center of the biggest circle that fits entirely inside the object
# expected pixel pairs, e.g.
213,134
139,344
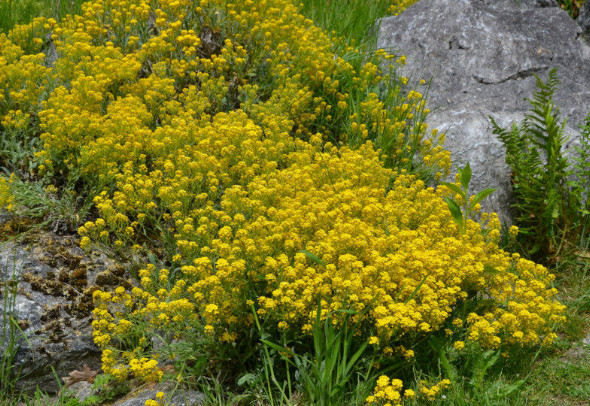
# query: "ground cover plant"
270,190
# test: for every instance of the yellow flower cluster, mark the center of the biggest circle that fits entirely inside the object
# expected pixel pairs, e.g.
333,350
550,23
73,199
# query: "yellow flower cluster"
392,253
5,194
388,393
216,133
431,393
159,401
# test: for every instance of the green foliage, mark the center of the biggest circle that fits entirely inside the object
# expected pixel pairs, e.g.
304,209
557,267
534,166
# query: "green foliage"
580,186
10,333
62,211
105,389
475,375
17,149
349,19
463,210
572,6
549,205
326,373
13,12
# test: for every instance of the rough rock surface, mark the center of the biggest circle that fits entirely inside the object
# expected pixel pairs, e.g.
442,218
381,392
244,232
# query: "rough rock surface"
520,3
53,304
177,397
482,56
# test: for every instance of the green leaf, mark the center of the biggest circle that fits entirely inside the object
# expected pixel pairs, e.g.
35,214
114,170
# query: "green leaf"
354,359
506,389
465,176
313,258
455,211
490,269
417,289
247,378
455,189
482,195
280,350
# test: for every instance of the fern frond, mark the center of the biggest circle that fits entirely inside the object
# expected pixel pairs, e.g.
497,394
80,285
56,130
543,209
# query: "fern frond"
546,204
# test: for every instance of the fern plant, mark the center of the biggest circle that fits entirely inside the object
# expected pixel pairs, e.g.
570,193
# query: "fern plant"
581,183
548,202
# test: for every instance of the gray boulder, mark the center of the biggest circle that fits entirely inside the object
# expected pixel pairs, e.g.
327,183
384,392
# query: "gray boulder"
482,56
46,286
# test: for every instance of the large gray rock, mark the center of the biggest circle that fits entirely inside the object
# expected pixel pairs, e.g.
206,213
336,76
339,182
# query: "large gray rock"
52,304
482,56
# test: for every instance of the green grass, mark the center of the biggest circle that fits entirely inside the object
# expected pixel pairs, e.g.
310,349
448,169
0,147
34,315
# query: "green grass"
350,20
563,376
14,12
9,330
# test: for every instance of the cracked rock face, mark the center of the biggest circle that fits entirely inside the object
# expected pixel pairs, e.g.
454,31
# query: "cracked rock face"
482,56
46,286
520,3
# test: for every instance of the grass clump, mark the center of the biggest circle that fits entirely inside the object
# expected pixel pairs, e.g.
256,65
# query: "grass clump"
352,22
18,12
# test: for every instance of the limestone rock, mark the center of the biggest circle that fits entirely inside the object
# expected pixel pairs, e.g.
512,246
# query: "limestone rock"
482,56
520,3
52,304
173,396
81,390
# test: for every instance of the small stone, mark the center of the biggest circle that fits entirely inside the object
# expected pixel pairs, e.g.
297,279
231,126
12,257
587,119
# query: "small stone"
178,397
81,390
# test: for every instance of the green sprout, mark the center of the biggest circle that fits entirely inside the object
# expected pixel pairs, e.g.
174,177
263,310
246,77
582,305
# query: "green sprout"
461,211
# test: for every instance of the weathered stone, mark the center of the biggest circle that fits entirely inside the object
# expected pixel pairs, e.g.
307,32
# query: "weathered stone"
52,305
81,390
173,396
520,3
482,56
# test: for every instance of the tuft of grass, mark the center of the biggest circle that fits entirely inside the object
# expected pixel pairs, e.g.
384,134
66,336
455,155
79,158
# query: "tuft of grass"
10,333
353,21
62,212
324,374
15,12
